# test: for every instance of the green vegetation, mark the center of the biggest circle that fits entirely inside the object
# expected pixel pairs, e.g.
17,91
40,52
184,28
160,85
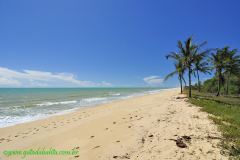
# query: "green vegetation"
192,58
225,112
233,88
226,63
219,95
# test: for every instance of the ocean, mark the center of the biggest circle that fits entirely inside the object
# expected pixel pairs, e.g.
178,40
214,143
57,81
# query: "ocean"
19,105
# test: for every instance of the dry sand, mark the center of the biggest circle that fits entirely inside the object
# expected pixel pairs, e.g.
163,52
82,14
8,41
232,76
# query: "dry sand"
140,128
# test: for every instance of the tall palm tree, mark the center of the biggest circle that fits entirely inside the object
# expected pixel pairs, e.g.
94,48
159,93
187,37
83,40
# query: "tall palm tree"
201,65
232,65
179,68
189,53
219,65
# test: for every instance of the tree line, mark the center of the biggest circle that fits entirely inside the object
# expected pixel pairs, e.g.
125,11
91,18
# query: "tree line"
191,59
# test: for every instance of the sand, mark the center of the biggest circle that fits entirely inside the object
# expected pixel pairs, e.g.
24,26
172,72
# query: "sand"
140,128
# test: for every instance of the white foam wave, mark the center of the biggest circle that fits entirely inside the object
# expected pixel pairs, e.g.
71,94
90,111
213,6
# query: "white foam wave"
10,120
94,99
114,94
154,91
56,103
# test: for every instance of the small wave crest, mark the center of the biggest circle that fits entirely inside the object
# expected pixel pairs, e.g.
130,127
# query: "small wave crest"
94,99
114,94
56,103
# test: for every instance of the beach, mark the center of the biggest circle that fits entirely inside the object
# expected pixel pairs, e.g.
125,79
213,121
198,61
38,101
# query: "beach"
138,128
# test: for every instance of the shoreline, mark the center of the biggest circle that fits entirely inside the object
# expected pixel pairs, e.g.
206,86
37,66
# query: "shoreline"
135,128
63,112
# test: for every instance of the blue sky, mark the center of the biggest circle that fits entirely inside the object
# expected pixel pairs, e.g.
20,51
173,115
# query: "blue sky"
107,42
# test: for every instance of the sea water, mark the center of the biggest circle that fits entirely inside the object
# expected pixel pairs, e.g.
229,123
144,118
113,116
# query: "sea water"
19,105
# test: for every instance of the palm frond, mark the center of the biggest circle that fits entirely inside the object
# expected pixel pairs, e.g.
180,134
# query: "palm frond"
170,75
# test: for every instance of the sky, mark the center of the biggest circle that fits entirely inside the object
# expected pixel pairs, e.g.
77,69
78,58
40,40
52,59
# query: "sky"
92,43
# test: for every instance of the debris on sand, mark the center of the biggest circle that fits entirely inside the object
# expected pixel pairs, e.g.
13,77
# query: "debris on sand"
187,138
180,141
213,137
126,156
150,135
181,97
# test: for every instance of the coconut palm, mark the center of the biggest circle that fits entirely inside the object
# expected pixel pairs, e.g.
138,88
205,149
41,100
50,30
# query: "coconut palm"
201,65
189,52
219,65
179,68
232,65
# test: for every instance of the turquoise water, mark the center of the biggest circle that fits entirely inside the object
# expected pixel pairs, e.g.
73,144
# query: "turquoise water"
27,104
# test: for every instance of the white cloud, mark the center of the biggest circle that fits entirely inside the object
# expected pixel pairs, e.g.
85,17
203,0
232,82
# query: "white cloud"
8,81
31,78
153,80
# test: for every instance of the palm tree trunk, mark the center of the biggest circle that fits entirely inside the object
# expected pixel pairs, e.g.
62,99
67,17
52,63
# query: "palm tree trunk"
184,81
239,85
228,78
219,83
224,86
199,87
189,81
180,80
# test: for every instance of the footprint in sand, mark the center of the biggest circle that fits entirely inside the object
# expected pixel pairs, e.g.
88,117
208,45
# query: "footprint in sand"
92,136
114,122
96,147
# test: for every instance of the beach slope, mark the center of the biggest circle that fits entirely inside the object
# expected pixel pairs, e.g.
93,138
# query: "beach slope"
140,128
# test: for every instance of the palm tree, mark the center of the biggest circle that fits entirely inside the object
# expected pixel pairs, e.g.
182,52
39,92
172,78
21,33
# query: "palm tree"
219,65
201,65
179,68
189,53
232,65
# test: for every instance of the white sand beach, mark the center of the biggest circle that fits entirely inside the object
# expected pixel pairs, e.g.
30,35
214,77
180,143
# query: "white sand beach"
139,128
